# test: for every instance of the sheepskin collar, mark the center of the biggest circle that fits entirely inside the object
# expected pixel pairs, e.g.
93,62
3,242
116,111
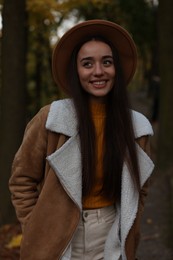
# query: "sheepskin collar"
62,119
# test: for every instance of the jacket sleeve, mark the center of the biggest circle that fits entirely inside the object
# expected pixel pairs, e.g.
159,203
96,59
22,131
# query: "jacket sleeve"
28,166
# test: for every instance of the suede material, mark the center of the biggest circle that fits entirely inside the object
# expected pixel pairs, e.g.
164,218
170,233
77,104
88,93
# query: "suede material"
50,227
133,237
48,215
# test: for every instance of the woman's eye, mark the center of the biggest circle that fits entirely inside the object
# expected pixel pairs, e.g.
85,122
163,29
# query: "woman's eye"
87,64
107,62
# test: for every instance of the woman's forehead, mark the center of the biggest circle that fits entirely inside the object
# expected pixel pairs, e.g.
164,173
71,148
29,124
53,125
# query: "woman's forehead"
94,47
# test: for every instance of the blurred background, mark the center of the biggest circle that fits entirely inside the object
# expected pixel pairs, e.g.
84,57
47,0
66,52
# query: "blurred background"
29,30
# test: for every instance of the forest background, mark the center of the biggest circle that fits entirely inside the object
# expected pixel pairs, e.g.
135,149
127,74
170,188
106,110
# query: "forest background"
29,31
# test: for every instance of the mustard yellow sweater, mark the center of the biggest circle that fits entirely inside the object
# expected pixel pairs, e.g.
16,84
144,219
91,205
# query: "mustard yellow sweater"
95,199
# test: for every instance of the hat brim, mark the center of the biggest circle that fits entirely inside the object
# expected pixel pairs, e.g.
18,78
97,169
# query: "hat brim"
114,33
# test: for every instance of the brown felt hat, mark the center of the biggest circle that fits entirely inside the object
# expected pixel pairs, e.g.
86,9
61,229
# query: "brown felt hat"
114,33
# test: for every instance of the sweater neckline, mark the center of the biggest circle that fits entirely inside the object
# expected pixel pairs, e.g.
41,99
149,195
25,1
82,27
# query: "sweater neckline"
98,109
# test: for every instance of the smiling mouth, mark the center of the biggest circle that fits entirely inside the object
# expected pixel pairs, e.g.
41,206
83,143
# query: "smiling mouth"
100,83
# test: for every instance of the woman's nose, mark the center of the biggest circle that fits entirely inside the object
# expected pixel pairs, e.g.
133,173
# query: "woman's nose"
98,69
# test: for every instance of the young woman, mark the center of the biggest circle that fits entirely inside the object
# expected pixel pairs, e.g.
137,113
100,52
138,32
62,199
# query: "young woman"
80,177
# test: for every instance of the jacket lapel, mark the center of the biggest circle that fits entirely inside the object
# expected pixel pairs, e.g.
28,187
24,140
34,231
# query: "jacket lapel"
66,161
62,118
130,196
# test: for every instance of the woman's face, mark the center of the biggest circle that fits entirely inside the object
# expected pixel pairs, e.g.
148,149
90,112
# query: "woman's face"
96,70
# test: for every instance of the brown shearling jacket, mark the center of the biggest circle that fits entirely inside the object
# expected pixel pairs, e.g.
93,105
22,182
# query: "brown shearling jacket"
47,211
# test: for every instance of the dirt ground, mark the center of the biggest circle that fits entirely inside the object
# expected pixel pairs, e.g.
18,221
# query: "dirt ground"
156,240
8,232
156,234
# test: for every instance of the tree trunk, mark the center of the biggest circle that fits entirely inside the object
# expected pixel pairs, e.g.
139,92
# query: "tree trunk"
13,103
165,151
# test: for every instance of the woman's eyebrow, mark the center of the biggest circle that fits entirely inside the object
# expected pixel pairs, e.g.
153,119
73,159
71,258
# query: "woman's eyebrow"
86,58
91,58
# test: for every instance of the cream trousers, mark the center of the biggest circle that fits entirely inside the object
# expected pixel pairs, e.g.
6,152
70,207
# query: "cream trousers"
89,239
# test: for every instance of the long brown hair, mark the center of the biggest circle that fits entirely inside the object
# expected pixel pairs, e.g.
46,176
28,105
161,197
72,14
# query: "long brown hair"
119,134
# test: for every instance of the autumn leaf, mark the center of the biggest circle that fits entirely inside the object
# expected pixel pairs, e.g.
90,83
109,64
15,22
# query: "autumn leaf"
14,242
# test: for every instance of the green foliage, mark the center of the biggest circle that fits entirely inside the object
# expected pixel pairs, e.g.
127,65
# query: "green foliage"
94,9
139,19
42,23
